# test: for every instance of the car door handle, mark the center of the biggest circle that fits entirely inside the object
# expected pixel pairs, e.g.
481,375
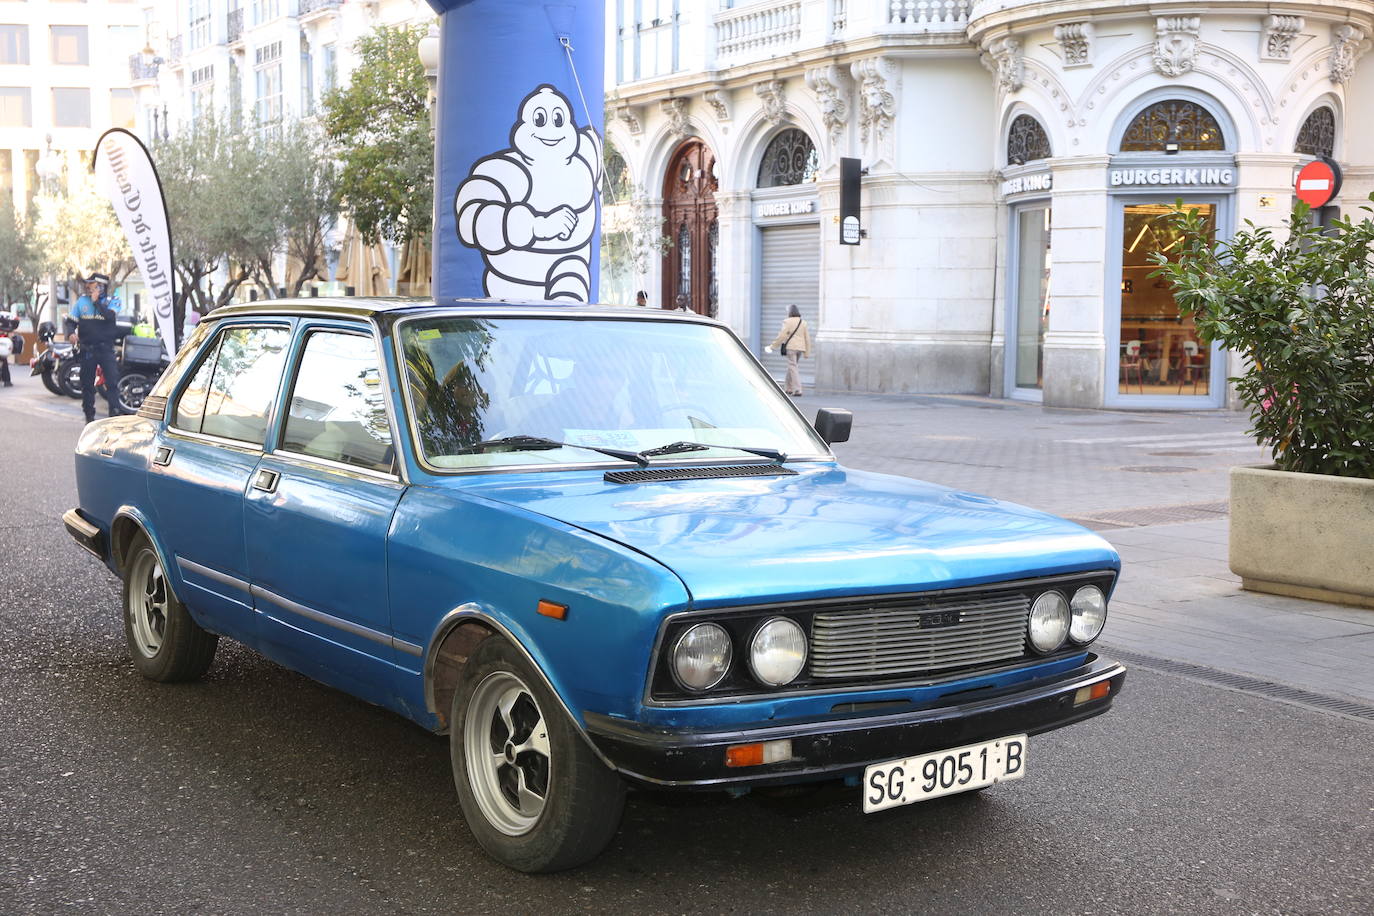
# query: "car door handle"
266,481
163,456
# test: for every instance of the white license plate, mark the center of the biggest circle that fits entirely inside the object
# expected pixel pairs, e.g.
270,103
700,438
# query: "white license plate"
905,782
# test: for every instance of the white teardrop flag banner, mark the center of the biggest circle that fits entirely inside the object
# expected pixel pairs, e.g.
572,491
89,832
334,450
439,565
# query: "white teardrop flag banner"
124,172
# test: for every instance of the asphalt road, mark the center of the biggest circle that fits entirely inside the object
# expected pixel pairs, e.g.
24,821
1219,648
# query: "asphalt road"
258,791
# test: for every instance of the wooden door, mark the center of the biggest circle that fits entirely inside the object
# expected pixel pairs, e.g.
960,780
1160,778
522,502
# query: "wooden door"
689,211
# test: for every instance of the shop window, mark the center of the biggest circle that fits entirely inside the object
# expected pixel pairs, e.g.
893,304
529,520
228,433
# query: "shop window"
1172,126
1026,141
789,159
1161,353
1318,134
1032,295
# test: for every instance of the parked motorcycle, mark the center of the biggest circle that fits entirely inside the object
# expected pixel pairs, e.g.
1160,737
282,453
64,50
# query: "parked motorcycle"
47,363
141,361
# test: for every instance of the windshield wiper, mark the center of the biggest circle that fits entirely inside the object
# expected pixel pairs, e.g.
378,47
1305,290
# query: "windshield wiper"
677,448
540,443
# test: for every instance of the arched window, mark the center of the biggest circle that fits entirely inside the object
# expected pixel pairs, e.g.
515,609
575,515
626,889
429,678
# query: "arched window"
615,180
1171,126
789,159
1318,134
1026,141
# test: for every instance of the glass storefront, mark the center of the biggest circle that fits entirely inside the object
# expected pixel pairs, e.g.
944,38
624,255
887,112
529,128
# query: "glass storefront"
1160,352
1032,295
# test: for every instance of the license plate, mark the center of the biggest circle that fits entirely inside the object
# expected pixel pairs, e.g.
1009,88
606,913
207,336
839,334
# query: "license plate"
905,782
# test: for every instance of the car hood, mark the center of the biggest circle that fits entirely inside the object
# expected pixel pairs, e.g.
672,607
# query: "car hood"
827,531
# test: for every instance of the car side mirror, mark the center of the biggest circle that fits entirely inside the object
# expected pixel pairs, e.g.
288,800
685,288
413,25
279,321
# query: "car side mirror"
834,423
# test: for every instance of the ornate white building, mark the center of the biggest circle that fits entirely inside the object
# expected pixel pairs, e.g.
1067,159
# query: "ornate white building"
1019,156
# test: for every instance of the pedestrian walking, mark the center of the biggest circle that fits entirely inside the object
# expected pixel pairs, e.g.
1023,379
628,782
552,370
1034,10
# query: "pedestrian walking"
795,339
11,344
95,314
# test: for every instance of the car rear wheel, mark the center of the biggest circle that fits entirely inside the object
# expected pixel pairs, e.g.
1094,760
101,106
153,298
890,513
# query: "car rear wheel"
533,792
166,644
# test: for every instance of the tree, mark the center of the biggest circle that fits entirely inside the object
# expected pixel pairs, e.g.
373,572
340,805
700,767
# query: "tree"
1298,304
78,230
22,262
379,129
285,198
200,187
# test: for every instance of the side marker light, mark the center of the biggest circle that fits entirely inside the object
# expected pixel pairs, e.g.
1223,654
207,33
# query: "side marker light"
551,609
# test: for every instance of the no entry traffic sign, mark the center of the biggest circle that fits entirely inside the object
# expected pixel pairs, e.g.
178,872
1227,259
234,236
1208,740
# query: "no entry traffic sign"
1318,182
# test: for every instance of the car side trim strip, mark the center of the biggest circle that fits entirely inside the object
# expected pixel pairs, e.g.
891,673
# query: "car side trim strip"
338,623
213,574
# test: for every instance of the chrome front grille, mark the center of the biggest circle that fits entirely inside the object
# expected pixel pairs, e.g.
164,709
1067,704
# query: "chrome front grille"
919,636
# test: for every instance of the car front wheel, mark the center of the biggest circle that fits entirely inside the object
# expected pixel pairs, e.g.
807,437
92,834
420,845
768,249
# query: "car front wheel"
533,792
166,644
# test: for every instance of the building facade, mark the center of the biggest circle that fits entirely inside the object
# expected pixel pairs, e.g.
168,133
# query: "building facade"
1019,159
57,91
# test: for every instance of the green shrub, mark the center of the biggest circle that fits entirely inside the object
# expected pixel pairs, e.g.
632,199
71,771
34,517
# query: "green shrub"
1300,308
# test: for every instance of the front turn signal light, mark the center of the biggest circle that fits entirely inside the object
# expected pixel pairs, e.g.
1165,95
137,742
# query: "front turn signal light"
1095,692
759,753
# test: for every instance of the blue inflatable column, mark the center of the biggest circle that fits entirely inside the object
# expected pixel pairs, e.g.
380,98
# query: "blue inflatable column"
518,149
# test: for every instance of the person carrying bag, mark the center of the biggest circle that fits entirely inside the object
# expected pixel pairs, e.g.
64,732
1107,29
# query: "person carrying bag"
795,340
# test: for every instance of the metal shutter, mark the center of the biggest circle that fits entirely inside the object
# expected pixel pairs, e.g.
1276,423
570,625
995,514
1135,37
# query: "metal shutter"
791,273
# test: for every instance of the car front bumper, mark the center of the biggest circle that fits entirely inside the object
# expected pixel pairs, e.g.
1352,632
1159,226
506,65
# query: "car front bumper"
844,744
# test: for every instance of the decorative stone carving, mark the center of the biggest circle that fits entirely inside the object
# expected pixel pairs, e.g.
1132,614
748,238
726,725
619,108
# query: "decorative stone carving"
676,111
719,100
1276,41
1007,62
774,103
1075,42
828,85
1347,44
628,115
877,81
1176,43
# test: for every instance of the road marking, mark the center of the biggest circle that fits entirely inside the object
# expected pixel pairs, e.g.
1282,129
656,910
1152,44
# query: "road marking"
1177,439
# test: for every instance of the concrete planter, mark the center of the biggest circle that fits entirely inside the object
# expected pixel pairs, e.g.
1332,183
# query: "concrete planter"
1305,535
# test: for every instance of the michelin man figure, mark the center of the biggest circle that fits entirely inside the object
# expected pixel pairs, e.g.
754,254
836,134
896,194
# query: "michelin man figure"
531,209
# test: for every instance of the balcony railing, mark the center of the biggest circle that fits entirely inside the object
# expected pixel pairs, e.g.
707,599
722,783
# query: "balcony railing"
307,7
141,70
927,15
757,32
233,25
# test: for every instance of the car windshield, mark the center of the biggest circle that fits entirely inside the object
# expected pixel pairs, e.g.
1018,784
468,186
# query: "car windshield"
627,385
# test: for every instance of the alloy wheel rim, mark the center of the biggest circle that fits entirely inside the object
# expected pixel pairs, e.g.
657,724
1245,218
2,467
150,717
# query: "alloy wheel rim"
148,604
506,748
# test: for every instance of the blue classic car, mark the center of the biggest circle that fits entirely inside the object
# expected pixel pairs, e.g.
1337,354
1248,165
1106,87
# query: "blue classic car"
598,547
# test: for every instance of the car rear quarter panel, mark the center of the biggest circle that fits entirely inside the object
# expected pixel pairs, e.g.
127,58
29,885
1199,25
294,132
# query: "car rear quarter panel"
449,549
112,469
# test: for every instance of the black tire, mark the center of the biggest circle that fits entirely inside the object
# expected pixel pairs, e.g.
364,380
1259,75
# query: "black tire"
69,378
583,800
50,381
133,388
166,644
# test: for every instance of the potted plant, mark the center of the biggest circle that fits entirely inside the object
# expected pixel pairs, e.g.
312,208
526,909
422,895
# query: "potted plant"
1298,304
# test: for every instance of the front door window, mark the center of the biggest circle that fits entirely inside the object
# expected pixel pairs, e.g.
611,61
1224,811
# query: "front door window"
1161,353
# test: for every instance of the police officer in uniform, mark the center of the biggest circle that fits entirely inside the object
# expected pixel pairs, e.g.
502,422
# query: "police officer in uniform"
95,315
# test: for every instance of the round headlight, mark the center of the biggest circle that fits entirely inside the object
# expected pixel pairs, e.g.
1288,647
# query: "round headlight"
1089,608
701,656
1049,622
777,652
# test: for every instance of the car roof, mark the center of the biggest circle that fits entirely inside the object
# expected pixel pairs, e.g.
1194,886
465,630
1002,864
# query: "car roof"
393,307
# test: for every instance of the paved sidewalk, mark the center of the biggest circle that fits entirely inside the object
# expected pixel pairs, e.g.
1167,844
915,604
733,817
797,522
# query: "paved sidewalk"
1154,484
